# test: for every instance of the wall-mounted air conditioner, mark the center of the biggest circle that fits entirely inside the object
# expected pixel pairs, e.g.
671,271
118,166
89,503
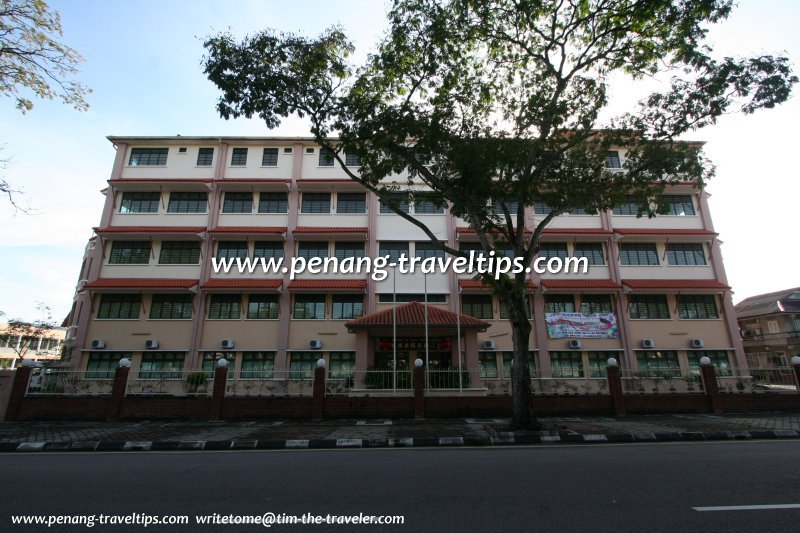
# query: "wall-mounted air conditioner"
315,344
574,344
151,344
226,344
98,344
696,343
648,343
489,345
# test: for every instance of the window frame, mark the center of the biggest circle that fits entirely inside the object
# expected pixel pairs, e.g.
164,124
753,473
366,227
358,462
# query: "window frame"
183,249
220,309
267,157
119,306
301,301
273,202
188,206
629,251
657,302
174,310
130,253
312,202
149,155
138,198
268,309
202,156
237,203
239,156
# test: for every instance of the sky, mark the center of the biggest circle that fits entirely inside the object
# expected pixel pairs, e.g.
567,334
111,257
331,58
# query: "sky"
143,63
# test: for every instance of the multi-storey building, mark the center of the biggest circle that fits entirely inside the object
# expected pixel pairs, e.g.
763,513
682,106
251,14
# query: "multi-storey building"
41,345
655,295
770,326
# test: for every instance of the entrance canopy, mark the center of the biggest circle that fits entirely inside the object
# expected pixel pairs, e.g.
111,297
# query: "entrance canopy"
411,316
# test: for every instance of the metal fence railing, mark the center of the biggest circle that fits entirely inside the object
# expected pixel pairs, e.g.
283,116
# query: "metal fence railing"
449,379
674,380
771,380
271,383
365,382
170,382
63,381
568,385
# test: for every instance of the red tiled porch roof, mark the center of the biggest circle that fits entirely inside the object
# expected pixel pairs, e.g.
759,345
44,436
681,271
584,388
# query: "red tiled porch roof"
253,180
665,232
161,180
329,229
243,284
150,229
141,283
676,284
328,284
576,231
273,230
578,284
476,284
469,231
413,315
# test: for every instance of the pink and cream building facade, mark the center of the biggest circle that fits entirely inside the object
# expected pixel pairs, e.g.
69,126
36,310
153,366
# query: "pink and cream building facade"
655,295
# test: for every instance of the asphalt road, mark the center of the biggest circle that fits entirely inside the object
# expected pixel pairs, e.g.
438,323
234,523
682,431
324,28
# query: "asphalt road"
647,487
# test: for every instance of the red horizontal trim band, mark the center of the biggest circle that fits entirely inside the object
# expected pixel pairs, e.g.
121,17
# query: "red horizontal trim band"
274,230
326,180
150,229
252,180
470,231
576,231
161,180
138,283
243,284
413,314
329,229
478,284
637,231
580,284
355,284
677,284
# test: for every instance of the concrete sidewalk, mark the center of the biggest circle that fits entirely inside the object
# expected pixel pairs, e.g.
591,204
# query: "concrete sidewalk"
272,434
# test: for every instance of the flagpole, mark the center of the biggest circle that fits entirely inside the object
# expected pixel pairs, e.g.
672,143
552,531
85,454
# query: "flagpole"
394,332
427,351
458,341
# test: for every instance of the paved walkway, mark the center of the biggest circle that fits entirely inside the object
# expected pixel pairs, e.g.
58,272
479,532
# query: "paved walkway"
458,431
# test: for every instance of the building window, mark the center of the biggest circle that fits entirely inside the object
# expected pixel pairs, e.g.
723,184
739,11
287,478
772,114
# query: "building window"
162,365
326,157
187,202
598,361
129,253
119,306
342,365
103,365
263,307
273,202
697,306
629,207
316,202
257,365
413,297
541,208
511,205
477,305
686,254
238,202
267,249
566,364
719,358
205,156
141,157
425,250
648,306
351,202
578,211
239,157
677,204
427,204
638,254
658,360
505,315
396,199
309,307
343,250
394,249
179,253
548,250
209,363
487,362
309,249
140,202
270,157
171,307
612,159
596,303
347,306
559,303
352,160
225,307
301,364
232,250
508,358
592,251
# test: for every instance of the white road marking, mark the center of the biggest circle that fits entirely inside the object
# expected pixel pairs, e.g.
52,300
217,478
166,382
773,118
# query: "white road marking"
748,507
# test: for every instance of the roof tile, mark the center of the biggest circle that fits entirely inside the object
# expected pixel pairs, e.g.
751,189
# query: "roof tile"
353,284
413,314
141,283
675,284
243,284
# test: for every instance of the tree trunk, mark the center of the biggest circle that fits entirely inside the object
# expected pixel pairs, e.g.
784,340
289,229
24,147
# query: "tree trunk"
522,417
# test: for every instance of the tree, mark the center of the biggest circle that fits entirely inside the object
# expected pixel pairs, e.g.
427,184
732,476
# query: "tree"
498,103
28,333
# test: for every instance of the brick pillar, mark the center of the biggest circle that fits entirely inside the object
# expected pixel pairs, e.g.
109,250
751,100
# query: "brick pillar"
318,402
615,390
218,392
797,377
711,388
22,375
419,392
117,393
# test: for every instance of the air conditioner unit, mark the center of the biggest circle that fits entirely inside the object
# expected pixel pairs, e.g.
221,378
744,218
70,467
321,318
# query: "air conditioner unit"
315,344
98,344
489,345
696,343
226,344
648,343
574,344
151,344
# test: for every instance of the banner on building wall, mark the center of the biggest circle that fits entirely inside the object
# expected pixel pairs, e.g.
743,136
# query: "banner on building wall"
580,326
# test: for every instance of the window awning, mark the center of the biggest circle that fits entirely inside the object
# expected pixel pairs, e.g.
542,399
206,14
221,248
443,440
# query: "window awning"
140,284
473,285
412,315
146,231
675,285
682,235
173,184
245,231
313,231
328,285
243,284
582,285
